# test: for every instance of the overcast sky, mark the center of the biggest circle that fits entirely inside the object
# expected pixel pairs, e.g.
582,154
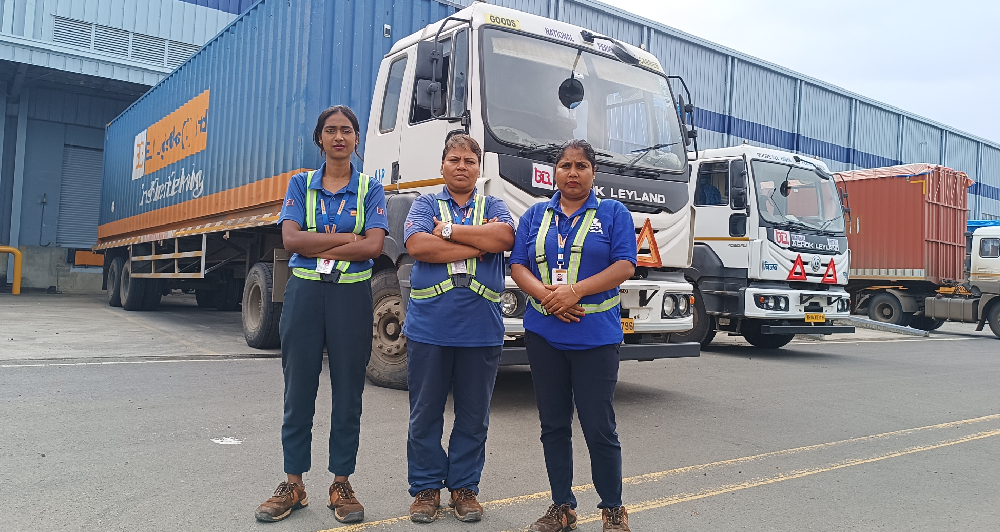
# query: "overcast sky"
939,59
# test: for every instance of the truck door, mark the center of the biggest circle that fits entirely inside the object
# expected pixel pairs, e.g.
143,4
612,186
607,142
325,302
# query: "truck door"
422,133
718,223
382,142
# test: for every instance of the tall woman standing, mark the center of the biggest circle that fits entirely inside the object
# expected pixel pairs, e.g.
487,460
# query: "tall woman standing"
570,255
334,221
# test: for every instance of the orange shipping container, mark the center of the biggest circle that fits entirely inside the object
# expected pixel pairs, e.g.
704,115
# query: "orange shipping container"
907,222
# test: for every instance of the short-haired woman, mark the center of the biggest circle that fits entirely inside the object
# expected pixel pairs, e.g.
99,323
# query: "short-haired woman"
333,219
570,256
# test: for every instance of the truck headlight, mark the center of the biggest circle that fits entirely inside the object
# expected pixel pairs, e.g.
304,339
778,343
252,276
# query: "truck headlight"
683,305
769,302
669,305
512,303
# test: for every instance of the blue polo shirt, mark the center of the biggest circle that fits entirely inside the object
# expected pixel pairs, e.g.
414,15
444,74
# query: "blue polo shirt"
611,238
458,317
294,209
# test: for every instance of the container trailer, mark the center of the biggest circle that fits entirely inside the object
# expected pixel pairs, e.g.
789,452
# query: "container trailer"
196,170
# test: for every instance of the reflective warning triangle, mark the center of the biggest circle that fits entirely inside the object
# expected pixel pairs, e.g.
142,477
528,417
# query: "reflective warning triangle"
798,272
830,277
647,236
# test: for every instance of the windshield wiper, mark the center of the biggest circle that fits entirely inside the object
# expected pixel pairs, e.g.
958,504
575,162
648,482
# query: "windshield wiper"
535,148
645,151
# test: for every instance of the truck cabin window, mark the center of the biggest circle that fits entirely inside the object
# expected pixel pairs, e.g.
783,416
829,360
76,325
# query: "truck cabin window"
989,248
797,197
712,187
624,111
393,91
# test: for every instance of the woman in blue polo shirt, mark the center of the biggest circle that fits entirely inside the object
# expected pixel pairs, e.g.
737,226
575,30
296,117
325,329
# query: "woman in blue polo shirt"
570,255
334,221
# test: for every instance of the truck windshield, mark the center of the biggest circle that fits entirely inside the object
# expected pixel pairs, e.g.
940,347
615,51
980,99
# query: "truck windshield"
624,109
793,195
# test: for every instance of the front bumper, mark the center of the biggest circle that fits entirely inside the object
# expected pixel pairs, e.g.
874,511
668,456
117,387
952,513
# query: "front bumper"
518,356
806,329
825,302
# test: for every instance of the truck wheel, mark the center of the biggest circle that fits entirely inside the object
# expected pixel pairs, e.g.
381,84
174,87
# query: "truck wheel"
387,366
260,314
230,296
133,291
115,281
751,333
205,297
994,317
925,324
702,332
885,308
154,291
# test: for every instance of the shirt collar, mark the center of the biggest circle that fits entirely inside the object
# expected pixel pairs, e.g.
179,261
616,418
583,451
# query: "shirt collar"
352,185
591,203
445,195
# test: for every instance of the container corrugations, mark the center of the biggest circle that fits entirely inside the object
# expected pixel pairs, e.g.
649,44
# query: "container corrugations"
268,75
907,222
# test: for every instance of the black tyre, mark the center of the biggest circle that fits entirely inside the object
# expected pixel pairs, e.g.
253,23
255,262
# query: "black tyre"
154,291
205,297
387,366
260,314
230,296
994,318
886,308
925,324
703,331
750,329
115,281
133,291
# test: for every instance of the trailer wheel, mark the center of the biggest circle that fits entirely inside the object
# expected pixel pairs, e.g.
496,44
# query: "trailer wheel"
260,314
925,324
751,333
154,291
886,308
133,291
230,296
115,281
205,297
703,331
387,366
994,317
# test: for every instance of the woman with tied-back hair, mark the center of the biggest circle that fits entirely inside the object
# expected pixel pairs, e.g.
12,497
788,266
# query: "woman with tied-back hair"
333,219
570,256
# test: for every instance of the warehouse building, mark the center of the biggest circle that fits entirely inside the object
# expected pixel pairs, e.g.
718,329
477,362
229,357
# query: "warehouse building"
68,67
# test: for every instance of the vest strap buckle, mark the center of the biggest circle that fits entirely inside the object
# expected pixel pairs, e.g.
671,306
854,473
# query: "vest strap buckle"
461,280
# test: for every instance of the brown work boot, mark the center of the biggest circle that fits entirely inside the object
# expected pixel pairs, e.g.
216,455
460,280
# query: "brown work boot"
467,508
344,504
558,518
615,519
425,506
286,498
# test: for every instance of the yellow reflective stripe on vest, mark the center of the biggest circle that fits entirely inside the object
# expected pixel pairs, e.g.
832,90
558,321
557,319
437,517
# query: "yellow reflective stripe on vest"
478,213
604,306
447,284
342,266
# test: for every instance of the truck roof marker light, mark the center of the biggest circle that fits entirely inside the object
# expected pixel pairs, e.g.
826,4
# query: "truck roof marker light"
830,277
652,260
798,271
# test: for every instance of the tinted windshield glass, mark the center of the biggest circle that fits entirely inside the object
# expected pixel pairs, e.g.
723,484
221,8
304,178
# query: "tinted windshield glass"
624,108
791,194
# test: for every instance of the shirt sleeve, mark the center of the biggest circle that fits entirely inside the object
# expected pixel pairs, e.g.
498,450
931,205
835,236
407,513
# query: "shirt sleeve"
623,243
519,255
420,218
375,217
294,208
498,209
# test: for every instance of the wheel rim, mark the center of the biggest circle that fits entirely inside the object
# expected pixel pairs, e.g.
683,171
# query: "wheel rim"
125,282
388,341
255,307
884,311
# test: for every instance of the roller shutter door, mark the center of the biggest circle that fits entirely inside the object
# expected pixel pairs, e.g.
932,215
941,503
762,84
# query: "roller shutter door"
79,197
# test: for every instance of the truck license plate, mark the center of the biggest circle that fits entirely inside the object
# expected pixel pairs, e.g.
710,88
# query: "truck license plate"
815,317
628,325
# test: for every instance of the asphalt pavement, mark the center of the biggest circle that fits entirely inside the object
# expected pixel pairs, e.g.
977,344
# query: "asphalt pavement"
167,421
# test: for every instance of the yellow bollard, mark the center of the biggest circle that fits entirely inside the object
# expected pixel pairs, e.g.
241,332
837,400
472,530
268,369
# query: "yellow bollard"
17,267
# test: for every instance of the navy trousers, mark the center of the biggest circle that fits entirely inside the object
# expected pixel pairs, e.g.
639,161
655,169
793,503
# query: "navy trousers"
338,317
587,378
432,372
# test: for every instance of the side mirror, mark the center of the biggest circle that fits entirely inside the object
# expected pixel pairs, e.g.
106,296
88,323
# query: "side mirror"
571,92
738,224
738,185
430,60
429,96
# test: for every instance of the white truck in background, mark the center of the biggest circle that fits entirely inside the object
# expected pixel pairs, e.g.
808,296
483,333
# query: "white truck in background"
770,256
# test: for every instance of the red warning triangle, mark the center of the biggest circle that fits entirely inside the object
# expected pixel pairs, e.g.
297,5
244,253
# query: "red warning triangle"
649,238
830,277
798,272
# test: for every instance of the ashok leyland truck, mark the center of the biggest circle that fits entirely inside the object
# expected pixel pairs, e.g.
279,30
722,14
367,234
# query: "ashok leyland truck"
197,168
770,255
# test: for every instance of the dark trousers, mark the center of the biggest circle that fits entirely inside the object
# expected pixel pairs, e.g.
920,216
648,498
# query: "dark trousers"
433,371
339,317
588,378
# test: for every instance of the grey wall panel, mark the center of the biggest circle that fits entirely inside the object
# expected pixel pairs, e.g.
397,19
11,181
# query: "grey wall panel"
962,154
708,139
984,196
76,109
535,7
7,178
42,176
703,70
167,19
825,116
921,143
876,137
601,22
763,106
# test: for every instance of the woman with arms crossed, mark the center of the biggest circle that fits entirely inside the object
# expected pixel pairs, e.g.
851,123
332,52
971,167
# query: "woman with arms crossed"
334,221
570,255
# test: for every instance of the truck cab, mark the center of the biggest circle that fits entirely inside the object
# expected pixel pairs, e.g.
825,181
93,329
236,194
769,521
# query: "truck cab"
522,85
770,257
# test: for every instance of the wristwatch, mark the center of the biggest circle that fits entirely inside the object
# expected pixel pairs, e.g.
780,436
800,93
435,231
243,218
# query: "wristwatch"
446,232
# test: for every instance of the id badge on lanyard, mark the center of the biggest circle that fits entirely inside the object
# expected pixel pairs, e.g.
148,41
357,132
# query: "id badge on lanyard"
460,266
560,275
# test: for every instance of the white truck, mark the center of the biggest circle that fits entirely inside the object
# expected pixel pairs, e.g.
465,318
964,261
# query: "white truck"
770,256
522,85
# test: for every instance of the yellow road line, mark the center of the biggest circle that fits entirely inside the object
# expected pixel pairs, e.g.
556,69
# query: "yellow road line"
652,477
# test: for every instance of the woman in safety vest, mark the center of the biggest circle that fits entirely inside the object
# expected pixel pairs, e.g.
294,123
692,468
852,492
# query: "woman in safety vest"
570,255
334,221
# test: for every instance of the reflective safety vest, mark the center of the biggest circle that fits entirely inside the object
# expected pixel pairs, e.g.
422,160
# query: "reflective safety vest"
339,273
575,254
460,280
